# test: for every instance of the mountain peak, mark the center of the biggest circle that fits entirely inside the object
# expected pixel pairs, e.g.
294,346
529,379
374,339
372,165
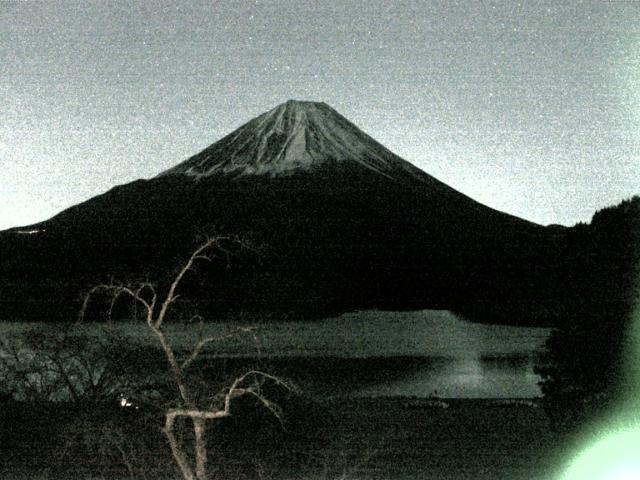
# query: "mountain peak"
295,136
301,104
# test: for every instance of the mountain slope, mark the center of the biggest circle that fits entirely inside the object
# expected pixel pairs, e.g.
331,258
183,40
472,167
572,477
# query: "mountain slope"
346,224
296,136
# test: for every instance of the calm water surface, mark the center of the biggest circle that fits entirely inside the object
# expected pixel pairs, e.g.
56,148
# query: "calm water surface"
377,353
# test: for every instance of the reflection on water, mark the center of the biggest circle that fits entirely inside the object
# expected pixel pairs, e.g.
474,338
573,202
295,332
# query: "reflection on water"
465,378
379,353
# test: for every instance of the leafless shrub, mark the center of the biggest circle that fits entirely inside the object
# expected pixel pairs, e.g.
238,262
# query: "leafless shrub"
58,364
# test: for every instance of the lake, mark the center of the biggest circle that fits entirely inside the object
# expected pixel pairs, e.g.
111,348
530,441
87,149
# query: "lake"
372,353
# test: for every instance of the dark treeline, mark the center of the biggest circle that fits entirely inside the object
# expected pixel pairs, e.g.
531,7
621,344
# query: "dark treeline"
584,373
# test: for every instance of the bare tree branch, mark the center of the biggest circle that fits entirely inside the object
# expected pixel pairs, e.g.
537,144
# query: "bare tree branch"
250,383
178,454
116,292
197,254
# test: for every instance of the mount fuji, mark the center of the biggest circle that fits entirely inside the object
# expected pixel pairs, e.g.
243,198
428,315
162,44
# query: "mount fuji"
346,224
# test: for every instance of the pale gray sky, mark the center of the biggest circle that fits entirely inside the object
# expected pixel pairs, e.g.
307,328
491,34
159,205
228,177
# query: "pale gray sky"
532,108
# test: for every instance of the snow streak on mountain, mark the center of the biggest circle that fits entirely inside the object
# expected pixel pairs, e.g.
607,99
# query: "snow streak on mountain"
296,136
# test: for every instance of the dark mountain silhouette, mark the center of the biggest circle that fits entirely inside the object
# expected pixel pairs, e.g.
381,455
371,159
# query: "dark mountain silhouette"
346,224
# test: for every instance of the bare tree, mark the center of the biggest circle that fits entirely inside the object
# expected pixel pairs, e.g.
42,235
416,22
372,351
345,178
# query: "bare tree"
155,309
46,364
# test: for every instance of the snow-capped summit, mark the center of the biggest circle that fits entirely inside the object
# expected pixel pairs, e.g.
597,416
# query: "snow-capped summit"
294,136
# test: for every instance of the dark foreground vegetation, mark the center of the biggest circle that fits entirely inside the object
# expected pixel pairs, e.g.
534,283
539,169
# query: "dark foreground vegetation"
385,438
109,425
